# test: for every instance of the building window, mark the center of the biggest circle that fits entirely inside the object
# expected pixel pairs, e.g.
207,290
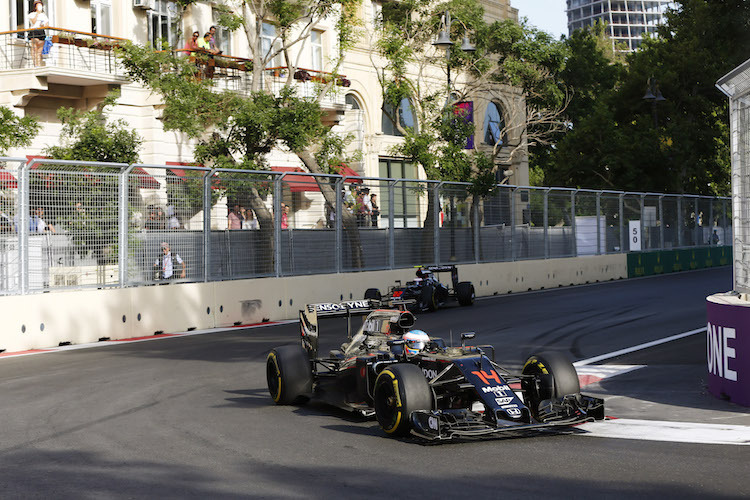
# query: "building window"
270,43
160,21
405,204
223,36
316,50
406,118
494,126
101,17
355,121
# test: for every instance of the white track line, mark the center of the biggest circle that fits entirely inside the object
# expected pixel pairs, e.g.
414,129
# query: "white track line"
676,432
638,347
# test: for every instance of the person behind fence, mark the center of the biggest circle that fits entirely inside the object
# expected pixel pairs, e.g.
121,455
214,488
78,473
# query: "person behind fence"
714,238
234,221
375,209
37,223
166,264
37,20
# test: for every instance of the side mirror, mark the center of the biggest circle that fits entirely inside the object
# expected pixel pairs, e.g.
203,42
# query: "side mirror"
394,342
467,336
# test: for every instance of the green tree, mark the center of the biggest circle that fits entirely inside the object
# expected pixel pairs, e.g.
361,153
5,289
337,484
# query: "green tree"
238,131
86,204
16,131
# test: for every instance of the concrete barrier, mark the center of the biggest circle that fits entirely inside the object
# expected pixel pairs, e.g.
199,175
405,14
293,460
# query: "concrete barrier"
45,320
728,347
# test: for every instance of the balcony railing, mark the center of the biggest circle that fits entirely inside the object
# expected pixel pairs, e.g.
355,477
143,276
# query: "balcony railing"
64,49
309,83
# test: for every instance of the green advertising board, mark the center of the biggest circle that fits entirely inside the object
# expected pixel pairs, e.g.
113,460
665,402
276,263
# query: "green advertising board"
670,261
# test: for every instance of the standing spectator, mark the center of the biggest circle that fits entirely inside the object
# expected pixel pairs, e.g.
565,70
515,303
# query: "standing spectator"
248,219
37,223
715,238
234,221
37,20
172,221
368,206
166,265
284,216
375,210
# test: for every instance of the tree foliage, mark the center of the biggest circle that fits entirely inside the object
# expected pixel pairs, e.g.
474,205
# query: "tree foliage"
16,131
618,140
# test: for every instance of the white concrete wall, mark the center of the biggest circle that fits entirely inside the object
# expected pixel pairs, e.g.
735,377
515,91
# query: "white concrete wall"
45,320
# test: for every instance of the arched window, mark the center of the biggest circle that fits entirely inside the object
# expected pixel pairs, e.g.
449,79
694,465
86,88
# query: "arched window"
406,117
494,125
354,120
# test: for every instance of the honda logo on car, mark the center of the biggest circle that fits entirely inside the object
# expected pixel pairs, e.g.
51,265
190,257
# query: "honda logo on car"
432,422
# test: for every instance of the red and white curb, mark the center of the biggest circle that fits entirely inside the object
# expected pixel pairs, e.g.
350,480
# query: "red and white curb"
160,336
588,375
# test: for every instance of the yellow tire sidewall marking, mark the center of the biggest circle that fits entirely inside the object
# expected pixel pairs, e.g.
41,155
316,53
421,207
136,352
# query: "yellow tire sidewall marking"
277,396
394,381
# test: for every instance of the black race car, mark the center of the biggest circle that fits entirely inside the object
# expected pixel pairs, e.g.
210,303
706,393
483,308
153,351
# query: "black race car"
426,290
440,393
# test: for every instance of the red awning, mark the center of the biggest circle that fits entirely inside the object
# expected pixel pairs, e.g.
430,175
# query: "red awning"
7,181
145,181
301,183
347,172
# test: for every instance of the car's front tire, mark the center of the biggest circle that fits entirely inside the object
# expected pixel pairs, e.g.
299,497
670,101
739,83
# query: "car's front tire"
288,375
399,390
554,377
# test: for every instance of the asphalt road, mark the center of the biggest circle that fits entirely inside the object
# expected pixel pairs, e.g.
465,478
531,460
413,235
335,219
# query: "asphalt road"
190,417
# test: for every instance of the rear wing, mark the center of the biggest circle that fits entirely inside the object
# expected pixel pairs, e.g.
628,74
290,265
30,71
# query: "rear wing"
308,317
444,269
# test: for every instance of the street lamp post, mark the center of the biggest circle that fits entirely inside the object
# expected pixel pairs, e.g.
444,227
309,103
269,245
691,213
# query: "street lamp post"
653,95
444,42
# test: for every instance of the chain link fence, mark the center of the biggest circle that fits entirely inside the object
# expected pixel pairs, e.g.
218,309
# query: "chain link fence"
66,224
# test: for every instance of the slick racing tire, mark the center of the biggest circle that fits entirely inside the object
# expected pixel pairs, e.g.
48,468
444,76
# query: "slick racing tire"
465,293
428,299
554,377
289,375
400,389
373,293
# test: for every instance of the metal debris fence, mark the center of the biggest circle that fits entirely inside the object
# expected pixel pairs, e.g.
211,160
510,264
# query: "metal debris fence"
75,224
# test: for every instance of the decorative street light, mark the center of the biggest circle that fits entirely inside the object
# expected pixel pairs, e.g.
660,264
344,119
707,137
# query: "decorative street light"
444,42
653,95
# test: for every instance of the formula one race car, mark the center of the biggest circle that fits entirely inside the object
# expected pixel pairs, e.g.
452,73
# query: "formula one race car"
413,383
427,292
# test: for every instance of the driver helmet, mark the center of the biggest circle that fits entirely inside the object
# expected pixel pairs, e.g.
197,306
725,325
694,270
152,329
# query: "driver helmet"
415,341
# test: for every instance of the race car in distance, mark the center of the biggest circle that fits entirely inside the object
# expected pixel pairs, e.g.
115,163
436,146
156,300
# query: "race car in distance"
434,391
427,291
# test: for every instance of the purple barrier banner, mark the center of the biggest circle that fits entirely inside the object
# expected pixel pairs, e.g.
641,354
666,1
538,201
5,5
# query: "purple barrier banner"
728,350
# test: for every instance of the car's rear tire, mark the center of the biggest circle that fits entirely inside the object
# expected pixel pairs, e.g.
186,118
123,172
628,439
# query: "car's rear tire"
428,299
465,293
288,375
554,377
373,293
399,390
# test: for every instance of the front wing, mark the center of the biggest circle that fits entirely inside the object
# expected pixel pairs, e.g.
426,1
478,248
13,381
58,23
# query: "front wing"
457,424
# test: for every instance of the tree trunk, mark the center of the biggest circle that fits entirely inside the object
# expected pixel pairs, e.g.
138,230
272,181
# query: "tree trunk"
348,220
266,234
428,230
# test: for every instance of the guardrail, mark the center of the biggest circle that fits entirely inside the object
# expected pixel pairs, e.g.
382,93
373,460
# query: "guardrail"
72,224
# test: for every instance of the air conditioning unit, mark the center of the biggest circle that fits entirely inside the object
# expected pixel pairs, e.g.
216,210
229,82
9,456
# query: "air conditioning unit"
143,4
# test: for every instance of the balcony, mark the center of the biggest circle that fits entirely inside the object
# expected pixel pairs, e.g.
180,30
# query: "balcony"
69,65
309,83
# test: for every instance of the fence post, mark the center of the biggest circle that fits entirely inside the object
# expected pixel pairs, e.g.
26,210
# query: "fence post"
546,223
207,176
598,223
436,222
696,227
679,222
23,227
475,201
724,221
122,225
623,236
642,204
710,219
661,222
338,226
513,224
391,222
277,194
573,221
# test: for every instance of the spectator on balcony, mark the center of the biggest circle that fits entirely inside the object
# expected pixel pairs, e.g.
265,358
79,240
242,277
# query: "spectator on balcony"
192,44
213,43
37,20
205,44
